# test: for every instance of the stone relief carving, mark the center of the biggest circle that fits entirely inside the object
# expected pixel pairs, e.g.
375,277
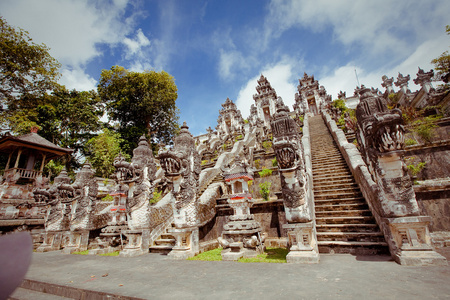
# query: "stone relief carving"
182,168
288,151
381,137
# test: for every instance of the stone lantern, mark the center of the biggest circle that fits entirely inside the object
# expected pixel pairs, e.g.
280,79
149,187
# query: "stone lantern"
242,234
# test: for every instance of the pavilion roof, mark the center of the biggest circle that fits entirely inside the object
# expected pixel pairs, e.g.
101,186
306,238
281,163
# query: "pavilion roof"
32,141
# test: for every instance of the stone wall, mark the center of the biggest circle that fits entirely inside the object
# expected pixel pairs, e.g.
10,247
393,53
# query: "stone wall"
274,188
269,214
438,210
436,156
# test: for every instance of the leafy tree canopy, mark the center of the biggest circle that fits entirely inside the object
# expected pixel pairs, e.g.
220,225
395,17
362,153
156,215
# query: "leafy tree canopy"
140,103
442,63
102,150
27,72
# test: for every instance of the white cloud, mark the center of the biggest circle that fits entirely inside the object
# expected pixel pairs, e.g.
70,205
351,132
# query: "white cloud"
74,30
282,79
136,44
380,26
230,63
77,79
344,78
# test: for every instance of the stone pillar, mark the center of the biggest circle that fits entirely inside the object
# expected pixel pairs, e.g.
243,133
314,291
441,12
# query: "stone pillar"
52,241
138,242
78,241
187,243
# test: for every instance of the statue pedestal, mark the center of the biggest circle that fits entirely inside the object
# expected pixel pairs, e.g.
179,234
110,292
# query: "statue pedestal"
187,243
78,241
138,242
107,243
303,243
52,241
411,241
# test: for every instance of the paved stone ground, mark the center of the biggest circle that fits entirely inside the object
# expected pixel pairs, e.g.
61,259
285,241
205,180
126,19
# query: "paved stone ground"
153,276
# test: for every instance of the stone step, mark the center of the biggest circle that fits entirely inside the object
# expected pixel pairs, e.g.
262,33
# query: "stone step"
337,193
369,227
321,154
328,169
339,201
355,248
333,180
343,213
338,198
327,177
340,207
163,249
165,242
331,172
351,236
322,186
328,162
345,220
26,294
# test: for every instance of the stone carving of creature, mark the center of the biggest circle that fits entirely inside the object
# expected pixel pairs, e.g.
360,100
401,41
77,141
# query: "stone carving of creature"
144,170
182,167
381,138
288,151
85,189
59,198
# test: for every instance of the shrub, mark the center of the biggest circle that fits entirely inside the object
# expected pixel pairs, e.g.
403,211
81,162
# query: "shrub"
265,190
257,163
265,172
108,198
425,129
415,168
410,142
274,162
156,197
267,145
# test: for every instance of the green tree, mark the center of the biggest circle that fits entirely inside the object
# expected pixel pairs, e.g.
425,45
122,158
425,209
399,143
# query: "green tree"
68,119
101,151
442,63
140,103
27,73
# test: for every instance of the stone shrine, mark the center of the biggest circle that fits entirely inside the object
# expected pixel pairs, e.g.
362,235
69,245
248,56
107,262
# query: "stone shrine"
242,235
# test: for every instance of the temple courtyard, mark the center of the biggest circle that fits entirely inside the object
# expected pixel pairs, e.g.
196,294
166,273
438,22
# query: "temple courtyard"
154,276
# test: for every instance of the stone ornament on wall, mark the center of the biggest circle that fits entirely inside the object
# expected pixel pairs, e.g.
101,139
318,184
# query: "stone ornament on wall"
288,151
182,168
381,137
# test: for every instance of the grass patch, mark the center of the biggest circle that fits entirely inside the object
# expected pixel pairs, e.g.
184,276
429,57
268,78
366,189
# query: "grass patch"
211,255
115,253
270,255
85,252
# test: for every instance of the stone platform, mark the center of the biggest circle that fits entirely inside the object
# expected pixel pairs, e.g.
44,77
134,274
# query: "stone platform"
154,276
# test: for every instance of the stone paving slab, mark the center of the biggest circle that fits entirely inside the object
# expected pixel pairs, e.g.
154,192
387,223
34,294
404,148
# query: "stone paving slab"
153,276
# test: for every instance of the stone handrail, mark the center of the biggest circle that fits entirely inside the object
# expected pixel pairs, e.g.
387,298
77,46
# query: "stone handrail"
207,175
372,193
307,156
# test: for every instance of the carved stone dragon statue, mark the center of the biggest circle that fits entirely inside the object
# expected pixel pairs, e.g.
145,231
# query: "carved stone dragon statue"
182,168
288,150
381,136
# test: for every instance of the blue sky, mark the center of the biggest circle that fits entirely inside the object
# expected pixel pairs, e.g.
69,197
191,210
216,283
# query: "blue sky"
217,49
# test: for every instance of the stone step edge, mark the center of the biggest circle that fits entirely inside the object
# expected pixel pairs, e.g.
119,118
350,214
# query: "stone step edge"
70,292
350,233
342,243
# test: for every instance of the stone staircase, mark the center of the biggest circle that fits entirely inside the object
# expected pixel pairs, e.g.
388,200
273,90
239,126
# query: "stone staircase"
343,219
163,244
